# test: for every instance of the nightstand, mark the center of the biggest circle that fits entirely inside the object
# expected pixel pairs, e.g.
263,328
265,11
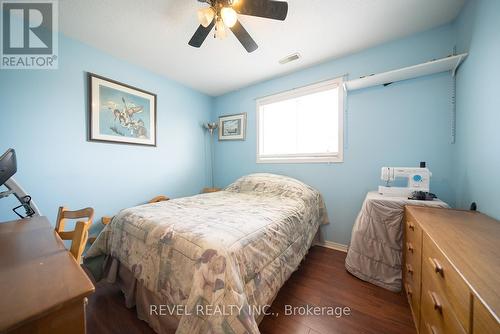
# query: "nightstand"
210,190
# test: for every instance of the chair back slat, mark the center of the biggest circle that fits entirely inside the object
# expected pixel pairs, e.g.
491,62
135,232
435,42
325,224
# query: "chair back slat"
80,234
83,213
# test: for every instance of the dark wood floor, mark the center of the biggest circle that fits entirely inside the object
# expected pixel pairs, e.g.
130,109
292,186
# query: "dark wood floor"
320,281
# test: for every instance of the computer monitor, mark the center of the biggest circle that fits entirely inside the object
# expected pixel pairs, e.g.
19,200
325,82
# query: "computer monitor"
8,165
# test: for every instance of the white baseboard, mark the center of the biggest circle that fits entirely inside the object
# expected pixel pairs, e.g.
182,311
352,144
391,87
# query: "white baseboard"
332,245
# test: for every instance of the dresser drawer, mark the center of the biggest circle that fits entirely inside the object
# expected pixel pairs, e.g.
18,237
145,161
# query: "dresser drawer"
412,265
413,252
411,273
483,321
412,247
413,294
412,278
413,233
437,270
437,314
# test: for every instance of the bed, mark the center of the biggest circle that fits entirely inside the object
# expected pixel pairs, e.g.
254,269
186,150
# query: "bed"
210,263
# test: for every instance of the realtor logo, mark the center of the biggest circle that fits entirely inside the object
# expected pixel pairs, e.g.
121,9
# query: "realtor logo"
29,34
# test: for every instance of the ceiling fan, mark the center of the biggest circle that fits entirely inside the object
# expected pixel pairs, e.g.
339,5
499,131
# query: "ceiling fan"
224,13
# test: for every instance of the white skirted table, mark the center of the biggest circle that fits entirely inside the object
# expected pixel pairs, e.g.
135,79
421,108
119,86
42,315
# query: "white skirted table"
375,253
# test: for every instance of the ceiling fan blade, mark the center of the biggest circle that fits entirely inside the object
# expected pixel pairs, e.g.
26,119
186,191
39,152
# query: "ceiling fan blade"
244,37
200,35
270,9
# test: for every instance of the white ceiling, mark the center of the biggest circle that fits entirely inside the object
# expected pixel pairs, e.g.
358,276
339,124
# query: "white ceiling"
154,35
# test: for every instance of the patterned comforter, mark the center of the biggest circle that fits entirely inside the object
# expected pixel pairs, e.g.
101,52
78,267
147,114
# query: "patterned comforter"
231,250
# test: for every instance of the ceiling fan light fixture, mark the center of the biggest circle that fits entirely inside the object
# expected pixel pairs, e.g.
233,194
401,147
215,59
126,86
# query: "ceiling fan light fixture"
229,16
220,29
224,13
206,16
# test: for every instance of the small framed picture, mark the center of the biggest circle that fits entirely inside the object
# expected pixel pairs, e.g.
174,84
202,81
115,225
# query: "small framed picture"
232,127
120,113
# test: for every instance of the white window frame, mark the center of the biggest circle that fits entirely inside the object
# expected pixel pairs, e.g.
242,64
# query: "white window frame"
298,92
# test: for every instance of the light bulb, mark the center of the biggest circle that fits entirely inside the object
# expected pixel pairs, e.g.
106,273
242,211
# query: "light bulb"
229,16
206,16
220,29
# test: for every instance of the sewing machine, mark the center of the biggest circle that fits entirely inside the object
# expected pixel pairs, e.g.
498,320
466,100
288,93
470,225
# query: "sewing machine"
418,179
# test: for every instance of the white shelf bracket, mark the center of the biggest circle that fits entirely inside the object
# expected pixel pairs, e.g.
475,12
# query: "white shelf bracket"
457,65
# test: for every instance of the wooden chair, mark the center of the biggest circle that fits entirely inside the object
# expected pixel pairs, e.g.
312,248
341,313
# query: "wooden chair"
80,234
106,219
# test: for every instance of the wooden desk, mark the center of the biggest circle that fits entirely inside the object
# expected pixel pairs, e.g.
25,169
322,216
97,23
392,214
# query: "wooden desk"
42,288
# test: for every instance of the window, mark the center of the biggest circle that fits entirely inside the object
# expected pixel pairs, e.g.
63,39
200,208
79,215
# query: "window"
302,125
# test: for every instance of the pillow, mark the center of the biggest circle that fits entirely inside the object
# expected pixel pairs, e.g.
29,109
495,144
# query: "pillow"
271,184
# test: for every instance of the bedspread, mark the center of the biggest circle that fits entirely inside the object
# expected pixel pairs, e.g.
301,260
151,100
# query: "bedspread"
221,256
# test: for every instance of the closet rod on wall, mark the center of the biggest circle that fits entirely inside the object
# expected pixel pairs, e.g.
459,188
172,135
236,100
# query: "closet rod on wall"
450,63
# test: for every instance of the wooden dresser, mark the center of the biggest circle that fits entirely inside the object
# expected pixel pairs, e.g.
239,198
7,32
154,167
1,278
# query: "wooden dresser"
42,288
451,270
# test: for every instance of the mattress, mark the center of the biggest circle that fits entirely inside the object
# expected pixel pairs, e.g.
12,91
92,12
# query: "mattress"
221,257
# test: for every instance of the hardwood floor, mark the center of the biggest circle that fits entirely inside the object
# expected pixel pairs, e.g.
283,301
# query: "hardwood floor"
320,281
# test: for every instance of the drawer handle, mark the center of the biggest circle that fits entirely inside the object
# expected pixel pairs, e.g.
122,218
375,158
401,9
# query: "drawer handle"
438,268
409,269
409,246
409,293
431,329
411,226
435,300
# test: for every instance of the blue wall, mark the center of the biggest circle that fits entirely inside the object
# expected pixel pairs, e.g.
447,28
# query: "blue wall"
398,125
43,116
477,153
